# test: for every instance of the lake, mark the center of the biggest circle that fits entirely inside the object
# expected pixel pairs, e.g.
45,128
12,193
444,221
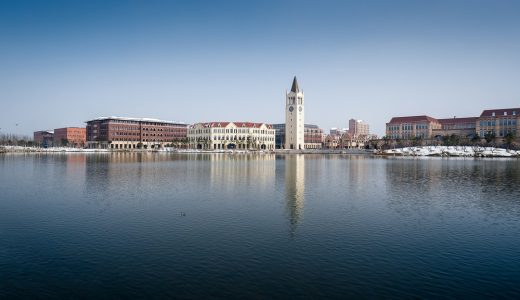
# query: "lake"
258,226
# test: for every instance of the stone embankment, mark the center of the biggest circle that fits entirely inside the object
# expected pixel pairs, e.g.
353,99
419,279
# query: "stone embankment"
447,151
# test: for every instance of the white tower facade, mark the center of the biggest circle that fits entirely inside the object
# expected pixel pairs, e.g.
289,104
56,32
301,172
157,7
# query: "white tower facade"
294,118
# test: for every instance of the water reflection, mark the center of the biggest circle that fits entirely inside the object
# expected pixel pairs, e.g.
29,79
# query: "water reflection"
294,189
489,185
135,176
229,172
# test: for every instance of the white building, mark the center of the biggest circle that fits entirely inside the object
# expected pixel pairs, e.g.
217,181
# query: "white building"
294,118
231,135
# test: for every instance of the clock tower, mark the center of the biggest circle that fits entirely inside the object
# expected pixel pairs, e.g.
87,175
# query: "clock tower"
294,118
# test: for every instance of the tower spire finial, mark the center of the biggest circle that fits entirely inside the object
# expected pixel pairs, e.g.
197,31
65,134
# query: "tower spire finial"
295,88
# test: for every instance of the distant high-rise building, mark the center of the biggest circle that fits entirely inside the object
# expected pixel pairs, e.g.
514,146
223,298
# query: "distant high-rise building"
358,127
294,118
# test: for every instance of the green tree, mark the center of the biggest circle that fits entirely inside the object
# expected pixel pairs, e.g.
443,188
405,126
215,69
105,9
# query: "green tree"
490,137
509,139
416,140
475,139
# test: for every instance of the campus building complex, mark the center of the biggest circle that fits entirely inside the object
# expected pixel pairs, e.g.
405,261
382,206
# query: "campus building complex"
134,133
231,135
495,122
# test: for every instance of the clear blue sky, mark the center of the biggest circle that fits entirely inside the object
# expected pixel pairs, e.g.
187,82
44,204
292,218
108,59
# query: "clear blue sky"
64,62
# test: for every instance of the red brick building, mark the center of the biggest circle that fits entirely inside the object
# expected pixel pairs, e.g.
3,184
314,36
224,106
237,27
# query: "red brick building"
70,136
44,138
134,133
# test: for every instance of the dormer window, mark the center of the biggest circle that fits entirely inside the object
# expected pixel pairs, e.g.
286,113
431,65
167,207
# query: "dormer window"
514,112
505,113
493,114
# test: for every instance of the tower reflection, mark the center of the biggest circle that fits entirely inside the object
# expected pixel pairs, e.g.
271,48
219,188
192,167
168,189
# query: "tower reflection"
294,189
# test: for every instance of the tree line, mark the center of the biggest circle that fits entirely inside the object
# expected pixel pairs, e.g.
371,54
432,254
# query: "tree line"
11,139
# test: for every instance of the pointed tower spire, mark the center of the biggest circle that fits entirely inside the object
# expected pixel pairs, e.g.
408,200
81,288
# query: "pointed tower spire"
295,87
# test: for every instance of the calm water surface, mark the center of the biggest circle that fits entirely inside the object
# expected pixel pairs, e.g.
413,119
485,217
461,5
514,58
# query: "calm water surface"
257,226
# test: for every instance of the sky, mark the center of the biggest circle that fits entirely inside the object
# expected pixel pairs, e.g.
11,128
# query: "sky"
65,62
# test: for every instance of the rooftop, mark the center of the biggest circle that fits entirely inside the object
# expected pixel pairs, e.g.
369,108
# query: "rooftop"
500,112
136,120
457,120
412,119
238,124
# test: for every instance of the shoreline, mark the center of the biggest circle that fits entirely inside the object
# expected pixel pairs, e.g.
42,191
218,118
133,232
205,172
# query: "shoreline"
419,151
57,150
451,151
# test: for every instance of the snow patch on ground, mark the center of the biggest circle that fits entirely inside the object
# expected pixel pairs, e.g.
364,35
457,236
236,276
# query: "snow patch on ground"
461,151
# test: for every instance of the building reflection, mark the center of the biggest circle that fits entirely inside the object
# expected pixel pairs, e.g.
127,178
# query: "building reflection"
228,171
170,176
456,184
75,169
294,189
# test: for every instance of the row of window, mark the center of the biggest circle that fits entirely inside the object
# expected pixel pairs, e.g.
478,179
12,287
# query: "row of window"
237,130
505,113
408,127
239,138
459,126
501,133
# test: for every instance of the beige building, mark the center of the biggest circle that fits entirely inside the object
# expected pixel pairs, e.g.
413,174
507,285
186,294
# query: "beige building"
358,127
231,135
498,122
462,127
411,127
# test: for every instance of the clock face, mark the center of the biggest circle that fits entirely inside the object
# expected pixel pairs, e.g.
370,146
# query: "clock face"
301,108
291,108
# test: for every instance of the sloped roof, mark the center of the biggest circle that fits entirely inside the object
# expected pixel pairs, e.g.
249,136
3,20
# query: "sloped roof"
136,120
500,112
295,88
412,119
238,124
457,120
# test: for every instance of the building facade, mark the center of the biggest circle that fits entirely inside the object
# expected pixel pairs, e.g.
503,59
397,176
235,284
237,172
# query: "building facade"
412,127
70,136
135,133
294,118
231,135
313,136
463,127
358,127
498,122
44,138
